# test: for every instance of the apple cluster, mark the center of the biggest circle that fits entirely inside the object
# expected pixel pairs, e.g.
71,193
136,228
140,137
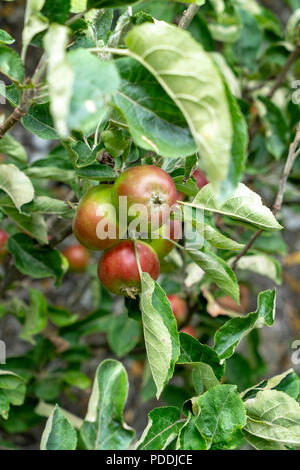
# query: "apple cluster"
97,226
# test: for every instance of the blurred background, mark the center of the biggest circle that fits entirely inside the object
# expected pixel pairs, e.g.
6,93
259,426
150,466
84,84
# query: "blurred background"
78,293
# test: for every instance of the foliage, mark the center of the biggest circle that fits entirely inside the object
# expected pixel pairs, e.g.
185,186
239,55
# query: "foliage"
121,84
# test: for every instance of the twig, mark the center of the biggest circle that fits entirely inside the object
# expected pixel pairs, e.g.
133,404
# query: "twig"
12,120
27,98
64,233
293,153
188,16
17,113
291,59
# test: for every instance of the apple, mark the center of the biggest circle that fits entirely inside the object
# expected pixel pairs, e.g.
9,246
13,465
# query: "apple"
162,245
148,186
96,217
118,269
78,258
179,307
189,330
200,177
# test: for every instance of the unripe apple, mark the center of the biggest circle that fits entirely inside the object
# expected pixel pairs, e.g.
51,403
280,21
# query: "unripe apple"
118,269
148,186
162,245
95,218
200,178
78,258
179,308
3,244
189,330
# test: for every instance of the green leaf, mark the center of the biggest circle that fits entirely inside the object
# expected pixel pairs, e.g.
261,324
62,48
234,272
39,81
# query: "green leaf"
154,120
287,382
36,316
4,405
234,330
248,46
114,141
57,11
103,427
102,22
33,224
276,128
261,263
5,38
160,332
192,352
292,29
189,437
77,378
221,417
163,426
16,184
124,334
239,371
238,149
243,204
49,205
39,121
60,76
34,22
120,3
193,81
77,6
12,148
12,388
53,169
11,65
59,433
34,260
220,241
97,173
189,187
98,321
262,444
203,375
89,101
218,271
148,388
60,316
273,416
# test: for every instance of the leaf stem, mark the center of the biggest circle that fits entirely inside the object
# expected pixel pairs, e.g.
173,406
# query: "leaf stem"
137,258
112,50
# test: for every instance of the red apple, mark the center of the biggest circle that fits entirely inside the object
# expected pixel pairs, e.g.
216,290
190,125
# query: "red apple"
200,177
78,257
189,330
179,308
3,244
118,269
149,186
95,225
